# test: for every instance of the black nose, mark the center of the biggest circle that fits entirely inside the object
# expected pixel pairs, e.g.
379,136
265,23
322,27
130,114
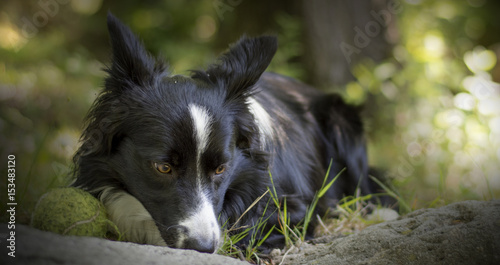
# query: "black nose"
207,245
181,237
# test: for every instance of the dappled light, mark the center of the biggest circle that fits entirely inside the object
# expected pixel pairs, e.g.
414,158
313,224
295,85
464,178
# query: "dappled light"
445,100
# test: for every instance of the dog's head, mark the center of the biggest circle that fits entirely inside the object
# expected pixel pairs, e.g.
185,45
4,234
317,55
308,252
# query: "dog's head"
177,144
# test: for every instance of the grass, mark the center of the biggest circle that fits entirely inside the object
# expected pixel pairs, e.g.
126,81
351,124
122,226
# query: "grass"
404,207
322,191
350,211
298,233
257,238
351,215
351,218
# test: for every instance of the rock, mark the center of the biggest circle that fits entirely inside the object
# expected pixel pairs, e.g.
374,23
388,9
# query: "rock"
39,248
461,233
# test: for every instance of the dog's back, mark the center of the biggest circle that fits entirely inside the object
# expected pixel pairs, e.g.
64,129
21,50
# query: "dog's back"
306,131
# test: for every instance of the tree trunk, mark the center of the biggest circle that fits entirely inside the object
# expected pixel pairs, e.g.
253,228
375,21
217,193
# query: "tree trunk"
338,33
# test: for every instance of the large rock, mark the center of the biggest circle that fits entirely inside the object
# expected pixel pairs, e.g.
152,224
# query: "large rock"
37,247
460,233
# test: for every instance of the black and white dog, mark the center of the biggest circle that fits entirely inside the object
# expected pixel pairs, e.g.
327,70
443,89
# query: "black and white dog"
174,157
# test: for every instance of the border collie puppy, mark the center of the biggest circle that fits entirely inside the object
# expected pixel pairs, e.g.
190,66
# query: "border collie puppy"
173,158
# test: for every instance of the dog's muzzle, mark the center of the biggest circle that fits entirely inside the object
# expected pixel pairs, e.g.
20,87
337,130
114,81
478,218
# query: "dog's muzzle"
207,242
200,231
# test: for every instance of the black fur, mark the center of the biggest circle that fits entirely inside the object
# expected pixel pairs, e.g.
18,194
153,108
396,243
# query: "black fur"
141,117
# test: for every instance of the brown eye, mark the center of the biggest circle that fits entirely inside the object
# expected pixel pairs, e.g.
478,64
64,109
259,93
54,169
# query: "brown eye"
220,170
163,168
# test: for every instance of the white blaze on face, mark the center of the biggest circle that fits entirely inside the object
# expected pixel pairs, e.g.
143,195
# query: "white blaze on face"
203,223
202,126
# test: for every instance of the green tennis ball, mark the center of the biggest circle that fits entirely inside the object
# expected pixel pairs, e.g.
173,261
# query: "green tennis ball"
70,211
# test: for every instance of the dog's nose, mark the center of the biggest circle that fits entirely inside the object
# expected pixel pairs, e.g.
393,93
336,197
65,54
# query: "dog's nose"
200,231
207,245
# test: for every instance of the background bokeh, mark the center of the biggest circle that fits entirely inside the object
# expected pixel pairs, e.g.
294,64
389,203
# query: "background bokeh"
427,73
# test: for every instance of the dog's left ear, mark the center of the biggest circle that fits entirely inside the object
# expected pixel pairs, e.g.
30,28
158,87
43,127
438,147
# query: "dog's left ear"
241,67
131,63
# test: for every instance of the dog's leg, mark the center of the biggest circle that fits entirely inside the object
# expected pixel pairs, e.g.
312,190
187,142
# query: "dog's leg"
132,219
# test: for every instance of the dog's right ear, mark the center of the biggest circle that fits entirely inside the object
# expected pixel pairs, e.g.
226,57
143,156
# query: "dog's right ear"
241,66
131,63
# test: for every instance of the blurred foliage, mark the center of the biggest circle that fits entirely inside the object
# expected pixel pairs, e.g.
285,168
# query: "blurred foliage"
436,128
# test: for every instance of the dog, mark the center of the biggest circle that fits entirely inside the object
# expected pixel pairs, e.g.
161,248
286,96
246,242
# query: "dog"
174,158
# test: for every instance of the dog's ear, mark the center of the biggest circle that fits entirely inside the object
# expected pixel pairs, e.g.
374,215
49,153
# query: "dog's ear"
241,67
131,63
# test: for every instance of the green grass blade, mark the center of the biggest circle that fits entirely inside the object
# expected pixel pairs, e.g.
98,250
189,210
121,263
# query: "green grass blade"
327,187
354,200
391,193
266,236
327,173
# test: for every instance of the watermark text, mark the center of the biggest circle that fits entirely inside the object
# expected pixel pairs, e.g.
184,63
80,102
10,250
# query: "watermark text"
11,205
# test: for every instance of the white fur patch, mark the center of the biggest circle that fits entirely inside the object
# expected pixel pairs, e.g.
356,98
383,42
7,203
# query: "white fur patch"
203,224
263,121
202,121
132,219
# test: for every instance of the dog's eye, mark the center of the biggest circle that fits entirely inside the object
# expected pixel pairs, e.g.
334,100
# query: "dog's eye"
163,168
220,170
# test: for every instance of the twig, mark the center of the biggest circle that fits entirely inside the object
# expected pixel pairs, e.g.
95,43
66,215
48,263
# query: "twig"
248,209
286,253
323,224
